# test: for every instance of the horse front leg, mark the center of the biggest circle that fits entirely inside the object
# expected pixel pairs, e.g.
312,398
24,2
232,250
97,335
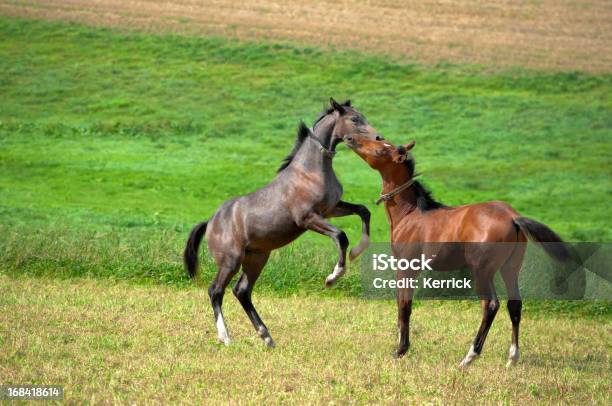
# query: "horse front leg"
346,209
404,310
317,223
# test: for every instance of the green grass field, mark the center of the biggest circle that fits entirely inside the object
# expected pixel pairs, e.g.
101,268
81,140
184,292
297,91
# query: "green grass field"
114,144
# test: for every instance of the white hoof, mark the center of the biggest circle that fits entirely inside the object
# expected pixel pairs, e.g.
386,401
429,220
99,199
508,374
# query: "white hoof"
469,358
333,277
513,356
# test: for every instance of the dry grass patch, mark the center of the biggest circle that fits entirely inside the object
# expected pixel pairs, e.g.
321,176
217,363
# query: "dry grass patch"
121,343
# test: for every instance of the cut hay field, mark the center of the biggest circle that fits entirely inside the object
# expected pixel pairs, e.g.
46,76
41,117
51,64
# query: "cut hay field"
548,34
113,143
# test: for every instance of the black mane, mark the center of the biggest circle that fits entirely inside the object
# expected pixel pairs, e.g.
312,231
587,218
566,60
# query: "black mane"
424,199
302,134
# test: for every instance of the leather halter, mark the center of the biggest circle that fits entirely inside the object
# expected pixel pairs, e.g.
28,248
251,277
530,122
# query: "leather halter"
387,196
326,152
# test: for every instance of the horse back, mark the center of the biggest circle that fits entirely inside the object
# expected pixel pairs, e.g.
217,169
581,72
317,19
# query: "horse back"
479,222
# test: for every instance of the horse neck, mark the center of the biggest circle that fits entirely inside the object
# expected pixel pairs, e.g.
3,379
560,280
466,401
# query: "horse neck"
309,155
404,203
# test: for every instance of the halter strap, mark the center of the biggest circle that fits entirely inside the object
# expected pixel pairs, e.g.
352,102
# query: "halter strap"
394,192
328,153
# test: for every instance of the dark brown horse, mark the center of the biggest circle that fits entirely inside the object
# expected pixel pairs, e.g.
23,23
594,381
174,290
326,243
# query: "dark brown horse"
499,230
306,192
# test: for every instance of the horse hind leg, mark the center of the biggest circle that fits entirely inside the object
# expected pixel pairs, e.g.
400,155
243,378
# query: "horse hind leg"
252,266
490,306
228,266
510,272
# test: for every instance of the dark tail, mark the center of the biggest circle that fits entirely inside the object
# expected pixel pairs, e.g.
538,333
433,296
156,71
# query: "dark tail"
541,234
190,256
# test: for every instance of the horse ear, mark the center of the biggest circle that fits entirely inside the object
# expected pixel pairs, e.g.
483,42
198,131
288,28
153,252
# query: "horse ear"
410,145
402,152
337,106
400,158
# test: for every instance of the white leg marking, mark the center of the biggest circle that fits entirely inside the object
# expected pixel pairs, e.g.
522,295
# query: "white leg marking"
222,331
363,244
471,356
332,277
513,355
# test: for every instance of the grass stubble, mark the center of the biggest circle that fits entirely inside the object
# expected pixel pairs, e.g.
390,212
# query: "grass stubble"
114,342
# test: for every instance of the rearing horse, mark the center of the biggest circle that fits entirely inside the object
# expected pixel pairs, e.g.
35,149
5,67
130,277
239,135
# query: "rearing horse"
244,230
499,231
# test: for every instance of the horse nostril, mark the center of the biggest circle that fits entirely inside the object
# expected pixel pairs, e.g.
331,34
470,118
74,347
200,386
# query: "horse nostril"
349,138
378,138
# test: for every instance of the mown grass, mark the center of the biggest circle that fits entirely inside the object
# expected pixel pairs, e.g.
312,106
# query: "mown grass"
112,342
112,145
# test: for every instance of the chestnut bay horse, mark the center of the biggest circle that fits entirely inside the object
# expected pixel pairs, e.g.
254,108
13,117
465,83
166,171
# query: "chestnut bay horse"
415,217
305,192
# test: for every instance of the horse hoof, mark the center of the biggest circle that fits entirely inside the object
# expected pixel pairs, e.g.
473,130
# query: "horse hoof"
469,358
265,336
511,362
224,340
269,342
466,362
513,356
399,354
332,277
